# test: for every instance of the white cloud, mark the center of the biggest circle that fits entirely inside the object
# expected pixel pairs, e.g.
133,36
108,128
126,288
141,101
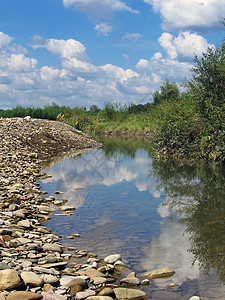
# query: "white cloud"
132,36
188,13
65,48
20,63
79,66
99,11
159,68
79,82
103,29
5,39
186,44
49,73
114,5
118,73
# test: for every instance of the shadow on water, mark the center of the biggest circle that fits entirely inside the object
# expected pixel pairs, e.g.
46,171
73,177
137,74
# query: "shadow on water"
155,213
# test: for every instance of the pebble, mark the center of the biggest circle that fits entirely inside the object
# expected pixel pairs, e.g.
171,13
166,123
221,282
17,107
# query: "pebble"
34,265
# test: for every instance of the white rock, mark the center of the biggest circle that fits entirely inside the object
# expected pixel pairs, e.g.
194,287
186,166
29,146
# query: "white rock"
111,259
24,223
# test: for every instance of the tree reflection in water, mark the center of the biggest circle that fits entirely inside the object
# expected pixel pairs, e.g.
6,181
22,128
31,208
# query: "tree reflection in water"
197,196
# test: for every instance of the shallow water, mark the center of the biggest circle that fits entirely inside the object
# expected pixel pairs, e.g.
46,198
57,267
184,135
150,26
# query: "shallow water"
154,214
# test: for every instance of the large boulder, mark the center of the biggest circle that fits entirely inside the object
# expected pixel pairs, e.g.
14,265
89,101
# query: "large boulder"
9,279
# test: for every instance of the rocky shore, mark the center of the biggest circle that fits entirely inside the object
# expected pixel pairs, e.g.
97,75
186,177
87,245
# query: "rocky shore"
33,264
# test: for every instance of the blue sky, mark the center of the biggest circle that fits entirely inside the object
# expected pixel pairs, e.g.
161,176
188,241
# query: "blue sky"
85,52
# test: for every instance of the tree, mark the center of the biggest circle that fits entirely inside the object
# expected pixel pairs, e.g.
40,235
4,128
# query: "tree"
207,86
94,109
168,92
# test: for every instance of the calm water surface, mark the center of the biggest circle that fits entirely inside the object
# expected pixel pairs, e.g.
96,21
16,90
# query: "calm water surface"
154,214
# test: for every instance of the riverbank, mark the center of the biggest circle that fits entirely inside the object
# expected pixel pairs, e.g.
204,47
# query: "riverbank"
34,265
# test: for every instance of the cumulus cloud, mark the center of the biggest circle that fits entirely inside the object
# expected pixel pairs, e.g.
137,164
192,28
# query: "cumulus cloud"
105,8
103,29
5,39
185,45
188,13
65,48
160,68
79,82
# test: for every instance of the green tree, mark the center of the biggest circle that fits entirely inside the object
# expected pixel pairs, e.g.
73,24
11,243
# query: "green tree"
207,86
168,92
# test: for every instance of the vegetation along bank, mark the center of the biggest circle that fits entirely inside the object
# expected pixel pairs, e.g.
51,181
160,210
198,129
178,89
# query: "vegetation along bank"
188,125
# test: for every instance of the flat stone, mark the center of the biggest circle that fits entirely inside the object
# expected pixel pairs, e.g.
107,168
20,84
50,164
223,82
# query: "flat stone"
46,270
67,208
130,281
31,279
60,264
21,295
52,247
9,279
24,223
160,273
124,293
50,279
85,294
71,280
107,291
93,273
46,208
99,298
48,296
98,280
24,240
111,259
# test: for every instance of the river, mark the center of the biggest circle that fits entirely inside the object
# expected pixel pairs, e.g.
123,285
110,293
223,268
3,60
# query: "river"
155,214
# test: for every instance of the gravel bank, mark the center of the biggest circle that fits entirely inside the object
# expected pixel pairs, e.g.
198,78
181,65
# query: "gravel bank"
33,264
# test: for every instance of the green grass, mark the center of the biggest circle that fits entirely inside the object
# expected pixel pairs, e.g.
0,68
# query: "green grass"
176,128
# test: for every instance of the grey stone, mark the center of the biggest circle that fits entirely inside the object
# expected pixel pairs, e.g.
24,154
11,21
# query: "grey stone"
130,281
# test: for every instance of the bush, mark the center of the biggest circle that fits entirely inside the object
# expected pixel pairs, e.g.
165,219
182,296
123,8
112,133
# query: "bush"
168,92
